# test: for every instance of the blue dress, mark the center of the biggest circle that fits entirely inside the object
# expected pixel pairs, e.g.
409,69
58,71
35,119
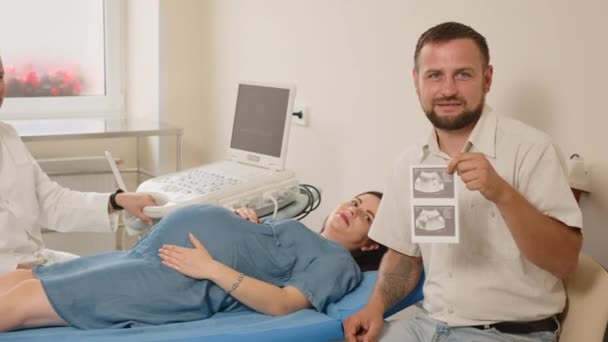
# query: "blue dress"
132,288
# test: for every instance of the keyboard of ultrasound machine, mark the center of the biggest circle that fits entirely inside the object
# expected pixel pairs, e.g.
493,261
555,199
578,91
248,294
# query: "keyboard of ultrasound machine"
203,181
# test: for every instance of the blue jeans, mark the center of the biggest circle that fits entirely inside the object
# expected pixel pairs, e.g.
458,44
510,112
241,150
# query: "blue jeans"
423,328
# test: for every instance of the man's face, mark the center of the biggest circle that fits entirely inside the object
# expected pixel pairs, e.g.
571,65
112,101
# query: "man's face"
2,84
451,83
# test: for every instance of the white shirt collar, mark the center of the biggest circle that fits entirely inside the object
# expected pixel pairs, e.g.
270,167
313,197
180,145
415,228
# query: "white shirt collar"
482,138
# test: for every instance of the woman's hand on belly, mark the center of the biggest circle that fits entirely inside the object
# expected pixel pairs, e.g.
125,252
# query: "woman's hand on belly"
194,262
261,296
248,214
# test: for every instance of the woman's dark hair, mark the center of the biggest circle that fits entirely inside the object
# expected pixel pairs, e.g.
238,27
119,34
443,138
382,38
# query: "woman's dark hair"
370,260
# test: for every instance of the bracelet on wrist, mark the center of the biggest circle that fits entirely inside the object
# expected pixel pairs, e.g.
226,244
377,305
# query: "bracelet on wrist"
113,203
238,282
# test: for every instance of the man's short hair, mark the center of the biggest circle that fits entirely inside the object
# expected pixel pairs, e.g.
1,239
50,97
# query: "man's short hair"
449,31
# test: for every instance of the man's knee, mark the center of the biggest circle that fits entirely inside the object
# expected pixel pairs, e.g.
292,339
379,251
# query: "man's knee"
396,330
418,327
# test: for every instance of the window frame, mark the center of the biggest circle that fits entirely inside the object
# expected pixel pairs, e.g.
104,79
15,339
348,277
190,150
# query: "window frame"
110,105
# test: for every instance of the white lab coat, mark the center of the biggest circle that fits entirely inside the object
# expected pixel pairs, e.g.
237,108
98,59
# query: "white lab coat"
29,200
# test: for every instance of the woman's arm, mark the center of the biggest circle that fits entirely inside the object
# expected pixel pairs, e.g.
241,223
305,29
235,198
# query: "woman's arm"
259,295
263,297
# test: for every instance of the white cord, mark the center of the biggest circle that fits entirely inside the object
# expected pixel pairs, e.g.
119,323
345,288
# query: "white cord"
123,238
274,201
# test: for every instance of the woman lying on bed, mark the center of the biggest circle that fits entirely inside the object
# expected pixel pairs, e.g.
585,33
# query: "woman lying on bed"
274,268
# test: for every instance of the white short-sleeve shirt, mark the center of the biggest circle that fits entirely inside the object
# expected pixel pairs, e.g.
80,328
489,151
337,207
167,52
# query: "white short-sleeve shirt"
485,278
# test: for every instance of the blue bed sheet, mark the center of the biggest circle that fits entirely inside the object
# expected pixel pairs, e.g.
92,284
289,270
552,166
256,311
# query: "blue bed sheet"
304,325
243,326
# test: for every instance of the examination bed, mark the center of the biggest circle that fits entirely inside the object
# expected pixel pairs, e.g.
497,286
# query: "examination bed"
304,325
301,326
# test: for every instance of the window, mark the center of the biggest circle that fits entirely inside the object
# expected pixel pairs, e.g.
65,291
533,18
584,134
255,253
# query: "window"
62,58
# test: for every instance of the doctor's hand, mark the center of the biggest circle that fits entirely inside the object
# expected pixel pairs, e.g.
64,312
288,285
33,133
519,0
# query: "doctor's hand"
364,325
194,262
248,214
478,174
134,203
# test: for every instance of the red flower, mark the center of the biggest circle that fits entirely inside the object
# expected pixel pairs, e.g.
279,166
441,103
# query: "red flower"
31,78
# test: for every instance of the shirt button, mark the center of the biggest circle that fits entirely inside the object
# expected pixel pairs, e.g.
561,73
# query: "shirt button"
492,214
450,275
451,310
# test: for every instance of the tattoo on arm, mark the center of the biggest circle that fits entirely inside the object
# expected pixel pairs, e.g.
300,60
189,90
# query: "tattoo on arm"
398,279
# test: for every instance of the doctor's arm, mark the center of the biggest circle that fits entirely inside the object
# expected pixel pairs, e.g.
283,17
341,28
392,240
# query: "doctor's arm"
263,297
65,210
134,203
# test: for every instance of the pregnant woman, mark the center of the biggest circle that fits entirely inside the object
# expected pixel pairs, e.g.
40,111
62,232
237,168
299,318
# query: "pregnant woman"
197,261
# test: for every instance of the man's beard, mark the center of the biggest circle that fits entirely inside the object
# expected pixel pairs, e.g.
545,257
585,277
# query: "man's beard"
465,119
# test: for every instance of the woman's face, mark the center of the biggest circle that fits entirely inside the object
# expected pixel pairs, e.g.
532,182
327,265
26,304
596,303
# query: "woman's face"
350,221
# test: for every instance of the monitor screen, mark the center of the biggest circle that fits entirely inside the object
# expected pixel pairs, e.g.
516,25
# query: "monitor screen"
259,121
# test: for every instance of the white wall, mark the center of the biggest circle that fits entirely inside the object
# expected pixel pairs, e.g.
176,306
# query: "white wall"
142,54
143,77
352,60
